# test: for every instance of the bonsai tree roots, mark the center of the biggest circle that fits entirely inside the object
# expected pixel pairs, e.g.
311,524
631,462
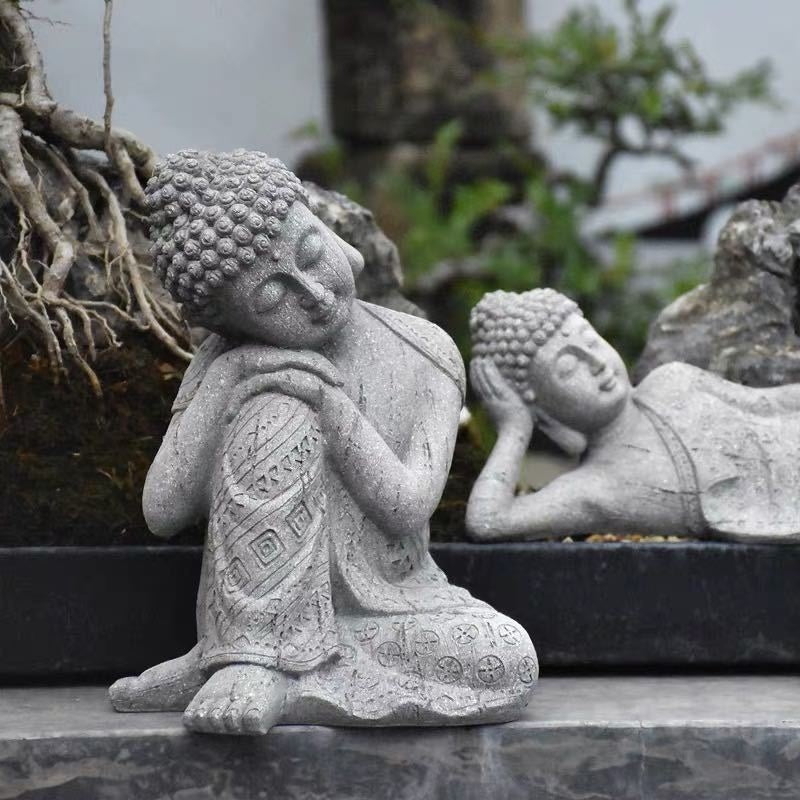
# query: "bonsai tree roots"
74,267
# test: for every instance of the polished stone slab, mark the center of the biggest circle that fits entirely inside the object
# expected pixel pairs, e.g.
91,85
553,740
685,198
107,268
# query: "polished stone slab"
676,738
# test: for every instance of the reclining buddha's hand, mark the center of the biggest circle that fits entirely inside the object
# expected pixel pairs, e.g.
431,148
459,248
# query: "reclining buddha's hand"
503,404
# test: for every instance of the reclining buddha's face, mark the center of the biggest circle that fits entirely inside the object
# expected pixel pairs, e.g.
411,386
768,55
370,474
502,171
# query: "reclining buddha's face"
579,378
299,297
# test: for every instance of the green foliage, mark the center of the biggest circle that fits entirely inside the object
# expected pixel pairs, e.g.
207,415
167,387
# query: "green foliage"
432,223
629,87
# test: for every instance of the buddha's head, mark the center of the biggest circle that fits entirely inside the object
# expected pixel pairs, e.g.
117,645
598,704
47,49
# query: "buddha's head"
572,379
234,242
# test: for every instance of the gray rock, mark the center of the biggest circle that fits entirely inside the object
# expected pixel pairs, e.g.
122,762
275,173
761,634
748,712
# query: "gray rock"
685,453
742,324
314,432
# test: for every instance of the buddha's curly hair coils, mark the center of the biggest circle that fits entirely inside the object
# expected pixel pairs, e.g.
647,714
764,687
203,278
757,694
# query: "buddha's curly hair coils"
214,214
509,327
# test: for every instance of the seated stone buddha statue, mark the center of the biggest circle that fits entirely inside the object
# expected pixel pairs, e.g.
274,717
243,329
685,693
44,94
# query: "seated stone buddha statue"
684,453
314,433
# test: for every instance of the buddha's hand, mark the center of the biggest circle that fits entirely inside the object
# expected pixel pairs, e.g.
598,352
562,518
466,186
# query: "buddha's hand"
250,370
503,404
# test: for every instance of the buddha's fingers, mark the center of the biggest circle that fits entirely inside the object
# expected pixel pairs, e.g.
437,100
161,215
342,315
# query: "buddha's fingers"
293,382
256,359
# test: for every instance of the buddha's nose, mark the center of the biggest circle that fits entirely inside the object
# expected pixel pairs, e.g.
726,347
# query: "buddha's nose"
596,365
313,294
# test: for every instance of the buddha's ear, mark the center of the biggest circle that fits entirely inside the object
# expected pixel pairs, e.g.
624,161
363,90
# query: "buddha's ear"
572,442
354,258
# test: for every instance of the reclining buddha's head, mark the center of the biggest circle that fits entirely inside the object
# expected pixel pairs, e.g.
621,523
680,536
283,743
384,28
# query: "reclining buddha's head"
545,349
235,242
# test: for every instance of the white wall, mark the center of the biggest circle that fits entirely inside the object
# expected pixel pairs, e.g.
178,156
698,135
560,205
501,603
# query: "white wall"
214,74
226,73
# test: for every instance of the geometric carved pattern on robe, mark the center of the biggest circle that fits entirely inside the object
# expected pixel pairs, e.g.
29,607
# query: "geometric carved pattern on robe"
268,596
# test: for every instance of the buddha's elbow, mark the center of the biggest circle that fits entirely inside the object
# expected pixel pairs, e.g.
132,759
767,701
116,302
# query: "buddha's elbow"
163,513
481,526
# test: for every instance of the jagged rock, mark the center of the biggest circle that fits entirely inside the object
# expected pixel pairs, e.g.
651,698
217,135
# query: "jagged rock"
382,277
742,324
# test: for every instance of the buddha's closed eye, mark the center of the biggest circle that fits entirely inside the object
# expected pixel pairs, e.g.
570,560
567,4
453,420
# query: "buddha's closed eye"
310,250
269,293
565,365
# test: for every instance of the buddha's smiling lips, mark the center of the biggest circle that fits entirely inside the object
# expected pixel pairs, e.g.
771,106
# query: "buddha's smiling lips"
609,382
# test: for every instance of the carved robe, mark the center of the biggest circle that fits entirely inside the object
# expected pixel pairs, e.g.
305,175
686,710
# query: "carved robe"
298,578
735,450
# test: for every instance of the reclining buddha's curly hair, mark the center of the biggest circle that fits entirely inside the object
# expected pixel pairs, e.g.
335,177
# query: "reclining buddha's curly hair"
214,214
509,327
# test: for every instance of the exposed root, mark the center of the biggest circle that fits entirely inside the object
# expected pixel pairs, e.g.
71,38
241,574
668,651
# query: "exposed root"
144,296
70,212
109,10
68,332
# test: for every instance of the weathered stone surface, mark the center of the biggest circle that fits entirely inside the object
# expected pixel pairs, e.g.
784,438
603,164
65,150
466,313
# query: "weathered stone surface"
684,453
381,280
742,324
663,738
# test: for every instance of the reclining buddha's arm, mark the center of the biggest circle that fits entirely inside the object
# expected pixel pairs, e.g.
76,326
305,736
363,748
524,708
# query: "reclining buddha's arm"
563,507
568,505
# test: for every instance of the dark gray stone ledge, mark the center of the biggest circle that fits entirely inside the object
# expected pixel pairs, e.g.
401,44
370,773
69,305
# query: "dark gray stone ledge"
78,613
681,738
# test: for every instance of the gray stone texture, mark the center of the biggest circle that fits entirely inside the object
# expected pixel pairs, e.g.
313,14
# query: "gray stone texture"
668,738
742,324
684,453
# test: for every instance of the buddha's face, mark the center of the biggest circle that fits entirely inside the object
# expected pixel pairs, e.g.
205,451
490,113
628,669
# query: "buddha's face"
302,298
579,378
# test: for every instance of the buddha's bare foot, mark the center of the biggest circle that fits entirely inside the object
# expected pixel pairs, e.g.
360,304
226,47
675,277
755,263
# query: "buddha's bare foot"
169,686
241,698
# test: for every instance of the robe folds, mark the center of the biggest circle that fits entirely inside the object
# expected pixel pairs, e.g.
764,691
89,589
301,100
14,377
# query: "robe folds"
735,450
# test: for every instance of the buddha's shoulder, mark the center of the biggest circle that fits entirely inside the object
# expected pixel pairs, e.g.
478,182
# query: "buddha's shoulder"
675,377
426,338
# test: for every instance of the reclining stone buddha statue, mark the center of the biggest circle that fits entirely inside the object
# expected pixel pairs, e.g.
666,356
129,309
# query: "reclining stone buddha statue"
684,453
314,432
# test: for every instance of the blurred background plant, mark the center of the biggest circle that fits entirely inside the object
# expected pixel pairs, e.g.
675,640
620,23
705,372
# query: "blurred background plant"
630,87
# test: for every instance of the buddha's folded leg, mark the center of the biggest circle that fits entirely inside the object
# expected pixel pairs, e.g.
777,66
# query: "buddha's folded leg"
265,608
444,668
